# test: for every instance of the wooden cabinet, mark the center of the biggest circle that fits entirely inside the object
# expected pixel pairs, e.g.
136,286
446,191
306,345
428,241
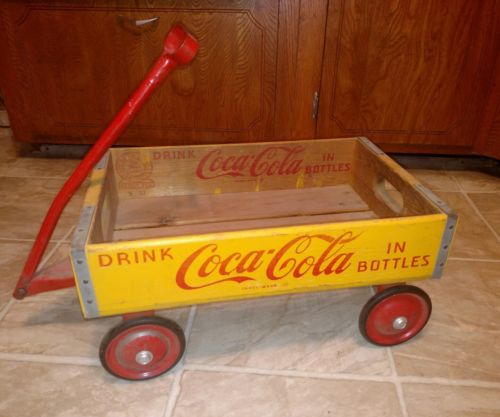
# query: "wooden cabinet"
414,76
407,73
72,64
488,137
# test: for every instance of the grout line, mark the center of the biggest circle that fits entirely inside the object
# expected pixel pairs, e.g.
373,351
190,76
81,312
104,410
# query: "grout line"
7,239
287,373
44,260
66,236
478,192
476,210
61,360
397,383
175,390
50,254
189,325
7,307
449,382
340,376
480,215
36,177
455,258
13,301
63,238
82,361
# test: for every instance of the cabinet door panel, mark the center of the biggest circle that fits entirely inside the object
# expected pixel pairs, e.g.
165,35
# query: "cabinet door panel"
75,66
488,141
406,72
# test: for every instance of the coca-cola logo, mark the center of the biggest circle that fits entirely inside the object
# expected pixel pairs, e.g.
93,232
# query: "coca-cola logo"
314,255
273,160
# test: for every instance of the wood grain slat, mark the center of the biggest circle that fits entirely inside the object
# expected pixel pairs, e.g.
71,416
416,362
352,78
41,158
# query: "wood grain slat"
214,208
186,230
379,181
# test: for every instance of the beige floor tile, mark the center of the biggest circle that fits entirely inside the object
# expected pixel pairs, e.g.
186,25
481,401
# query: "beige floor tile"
436,180
206,394
7,148
38,167
24,203
12,165
14,255
473,239
52,324
489,206
50,390
476,181
451,401
60,296
461,338
11,263
309,332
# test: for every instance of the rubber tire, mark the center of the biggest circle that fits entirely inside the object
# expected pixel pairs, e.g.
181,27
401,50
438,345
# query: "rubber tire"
389,292
128,324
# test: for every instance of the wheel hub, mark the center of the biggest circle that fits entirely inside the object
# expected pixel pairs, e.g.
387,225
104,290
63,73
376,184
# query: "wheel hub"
142,348
143,357
399,323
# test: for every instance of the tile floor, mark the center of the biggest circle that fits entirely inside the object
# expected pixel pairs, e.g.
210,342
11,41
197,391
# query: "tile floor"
289,356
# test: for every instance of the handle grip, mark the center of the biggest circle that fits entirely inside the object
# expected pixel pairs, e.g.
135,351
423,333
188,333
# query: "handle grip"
137,26
179,48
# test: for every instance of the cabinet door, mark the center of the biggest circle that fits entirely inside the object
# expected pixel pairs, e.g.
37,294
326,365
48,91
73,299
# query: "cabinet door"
488,142
72,64
410,75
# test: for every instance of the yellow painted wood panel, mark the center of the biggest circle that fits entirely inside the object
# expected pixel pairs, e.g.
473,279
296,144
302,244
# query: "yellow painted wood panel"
168,272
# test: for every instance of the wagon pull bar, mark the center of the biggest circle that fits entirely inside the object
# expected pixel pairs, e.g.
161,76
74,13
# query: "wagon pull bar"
179,48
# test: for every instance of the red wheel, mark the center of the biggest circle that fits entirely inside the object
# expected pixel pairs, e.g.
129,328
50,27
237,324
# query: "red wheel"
395,315
142,348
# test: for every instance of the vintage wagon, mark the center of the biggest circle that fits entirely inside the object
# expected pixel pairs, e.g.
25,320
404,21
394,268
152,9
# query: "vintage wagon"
164,227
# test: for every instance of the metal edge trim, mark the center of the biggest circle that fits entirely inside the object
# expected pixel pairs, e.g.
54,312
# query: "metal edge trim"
444,248
369,144
79,258
445,208
102,162
449,230
451,220
80,264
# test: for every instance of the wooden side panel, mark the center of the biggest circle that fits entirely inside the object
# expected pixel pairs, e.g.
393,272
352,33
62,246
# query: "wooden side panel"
162,273
156,172
381,182
102,195
108,206
407,72
72,65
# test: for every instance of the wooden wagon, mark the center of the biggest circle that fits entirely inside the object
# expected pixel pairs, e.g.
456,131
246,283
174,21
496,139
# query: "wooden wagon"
165,227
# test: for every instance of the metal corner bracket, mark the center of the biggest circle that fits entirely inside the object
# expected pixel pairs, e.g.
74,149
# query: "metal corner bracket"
80,264
449,229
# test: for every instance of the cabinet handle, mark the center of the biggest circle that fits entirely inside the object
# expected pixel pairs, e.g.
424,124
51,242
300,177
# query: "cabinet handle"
137,25
142,22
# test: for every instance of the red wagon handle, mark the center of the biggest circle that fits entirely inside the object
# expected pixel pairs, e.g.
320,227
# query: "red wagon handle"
179,48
